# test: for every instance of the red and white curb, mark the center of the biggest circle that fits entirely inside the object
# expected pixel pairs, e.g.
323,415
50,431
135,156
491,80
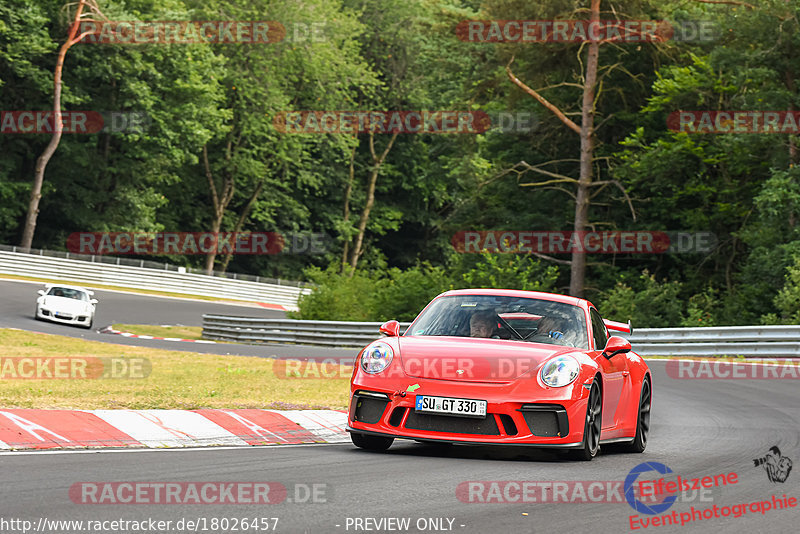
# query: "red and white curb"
109,330
278,307
55,429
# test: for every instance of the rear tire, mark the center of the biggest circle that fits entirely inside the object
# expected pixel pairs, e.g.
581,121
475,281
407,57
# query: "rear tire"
639,442
591,427
371,443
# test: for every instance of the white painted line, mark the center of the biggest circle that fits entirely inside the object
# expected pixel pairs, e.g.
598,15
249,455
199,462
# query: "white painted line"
181,449
168,428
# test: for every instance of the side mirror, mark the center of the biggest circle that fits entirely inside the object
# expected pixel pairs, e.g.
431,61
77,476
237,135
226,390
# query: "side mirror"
41,292
93,301
616,345
390,328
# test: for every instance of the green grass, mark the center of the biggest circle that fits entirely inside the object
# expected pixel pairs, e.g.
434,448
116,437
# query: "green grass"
178,380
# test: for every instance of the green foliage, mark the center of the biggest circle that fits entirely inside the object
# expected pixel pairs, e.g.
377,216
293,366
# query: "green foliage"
702,309
402,54
403,293
649,303
371,296
788,299
338,297
510,271
382,294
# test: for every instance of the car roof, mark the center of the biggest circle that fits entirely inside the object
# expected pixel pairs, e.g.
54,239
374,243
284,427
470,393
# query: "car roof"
566,299
67,286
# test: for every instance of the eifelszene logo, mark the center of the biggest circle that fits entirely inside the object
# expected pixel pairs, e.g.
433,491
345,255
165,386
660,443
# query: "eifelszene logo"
630,484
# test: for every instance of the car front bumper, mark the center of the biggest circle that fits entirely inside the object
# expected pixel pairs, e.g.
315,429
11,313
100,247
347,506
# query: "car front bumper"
518,413
83,319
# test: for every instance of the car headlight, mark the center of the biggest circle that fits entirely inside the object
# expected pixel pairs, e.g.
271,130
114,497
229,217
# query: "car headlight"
376,357
560,371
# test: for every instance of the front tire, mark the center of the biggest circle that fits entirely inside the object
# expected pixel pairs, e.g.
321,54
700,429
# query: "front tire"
592,426
371,443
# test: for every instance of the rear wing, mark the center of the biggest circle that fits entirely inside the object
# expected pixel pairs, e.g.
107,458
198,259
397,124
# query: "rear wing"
619,327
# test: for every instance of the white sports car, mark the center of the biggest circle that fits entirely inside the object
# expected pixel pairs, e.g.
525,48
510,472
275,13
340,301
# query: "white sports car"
66,304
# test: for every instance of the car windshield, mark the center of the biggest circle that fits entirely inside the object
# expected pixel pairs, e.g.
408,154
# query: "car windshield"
68,292
500,317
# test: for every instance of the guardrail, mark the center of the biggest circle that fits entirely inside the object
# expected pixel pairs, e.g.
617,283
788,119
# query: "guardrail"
258,330
767,340
771,341
95,270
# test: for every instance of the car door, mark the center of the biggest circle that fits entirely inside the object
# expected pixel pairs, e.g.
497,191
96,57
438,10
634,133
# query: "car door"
615,372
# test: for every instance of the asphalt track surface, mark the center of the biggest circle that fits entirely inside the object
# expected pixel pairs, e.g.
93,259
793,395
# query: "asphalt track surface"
699,428
18,302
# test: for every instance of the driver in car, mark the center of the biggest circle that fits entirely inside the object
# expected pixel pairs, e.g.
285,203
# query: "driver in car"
550,328
482,324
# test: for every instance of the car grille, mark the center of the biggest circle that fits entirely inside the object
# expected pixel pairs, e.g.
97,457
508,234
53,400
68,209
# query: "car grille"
453,425
368,408
546,420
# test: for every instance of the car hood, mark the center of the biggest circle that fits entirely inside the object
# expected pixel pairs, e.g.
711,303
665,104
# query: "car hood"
66,304
473,359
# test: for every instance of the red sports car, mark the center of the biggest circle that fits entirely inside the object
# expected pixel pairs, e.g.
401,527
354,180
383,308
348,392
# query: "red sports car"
503,367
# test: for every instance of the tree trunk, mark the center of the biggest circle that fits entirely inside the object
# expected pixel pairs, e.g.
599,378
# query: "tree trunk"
219,203
240,222
41,162
578,264
377,161
346,211
212,256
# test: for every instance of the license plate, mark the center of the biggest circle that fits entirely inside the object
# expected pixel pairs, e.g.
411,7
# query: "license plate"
61,315
450,406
